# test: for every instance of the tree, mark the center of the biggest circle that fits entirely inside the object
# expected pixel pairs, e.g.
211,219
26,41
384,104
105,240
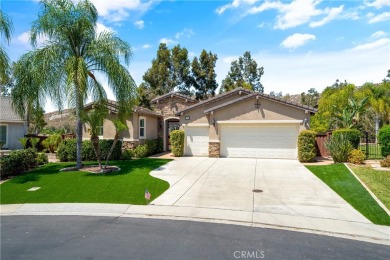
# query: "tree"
350,115
310,98
37,118
203,75
276,94
170,70
181,70
95,120
65,67
6,29
158,78
119,127
244,73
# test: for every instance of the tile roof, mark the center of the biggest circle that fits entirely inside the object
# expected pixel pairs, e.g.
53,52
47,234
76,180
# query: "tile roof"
250,94
7,113
174,94
113,107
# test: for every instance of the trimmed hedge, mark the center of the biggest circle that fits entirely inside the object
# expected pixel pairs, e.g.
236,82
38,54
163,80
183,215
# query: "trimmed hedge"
177,142
384,140
18,162
353,136
307,146
151,146
67,150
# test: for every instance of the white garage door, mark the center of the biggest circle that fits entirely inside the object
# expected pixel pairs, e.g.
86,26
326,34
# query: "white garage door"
259,141
196,141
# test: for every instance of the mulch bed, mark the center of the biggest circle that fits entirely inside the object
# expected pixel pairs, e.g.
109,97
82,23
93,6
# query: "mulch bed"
93,169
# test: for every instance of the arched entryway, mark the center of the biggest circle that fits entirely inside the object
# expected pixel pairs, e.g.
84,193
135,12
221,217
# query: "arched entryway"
170,124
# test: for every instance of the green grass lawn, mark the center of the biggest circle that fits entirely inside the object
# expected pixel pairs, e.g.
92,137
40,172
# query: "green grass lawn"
339,179
377,181
125,186
374,151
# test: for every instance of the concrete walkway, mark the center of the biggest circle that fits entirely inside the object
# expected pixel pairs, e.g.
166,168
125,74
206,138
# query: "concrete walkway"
221,190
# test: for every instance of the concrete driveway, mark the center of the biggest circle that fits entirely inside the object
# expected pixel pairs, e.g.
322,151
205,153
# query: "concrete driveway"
288,188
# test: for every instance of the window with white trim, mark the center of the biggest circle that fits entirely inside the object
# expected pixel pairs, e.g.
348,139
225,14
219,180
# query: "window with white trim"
3,135
142,128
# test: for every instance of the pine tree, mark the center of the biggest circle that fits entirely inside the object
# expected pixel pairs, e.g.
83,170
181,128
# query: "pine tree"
204,76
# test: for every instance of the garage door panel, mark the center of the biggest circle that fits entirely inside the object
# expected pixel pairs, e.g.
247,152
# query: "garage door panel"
196,141
259,141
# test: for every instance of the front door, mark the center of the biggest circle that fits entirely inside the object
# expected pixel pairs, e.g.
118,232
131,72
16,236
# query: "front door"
172,125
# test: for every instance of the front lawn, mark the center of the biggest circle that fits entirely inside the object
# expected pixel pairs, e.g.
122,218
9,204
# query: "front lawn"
377,181
126,186
339,179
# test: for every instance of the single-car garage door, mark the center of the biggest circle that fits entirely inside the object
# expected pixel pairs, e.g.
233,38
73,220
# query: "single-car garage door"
196,141
259,141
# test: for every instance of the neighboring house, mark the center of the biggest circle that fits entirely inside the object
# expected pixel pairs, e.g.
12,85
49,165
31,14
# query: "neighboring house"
239,123
12,126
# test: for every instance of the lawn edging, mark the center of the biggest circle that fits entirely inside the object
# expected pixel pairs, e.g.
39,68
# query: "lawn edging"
368,190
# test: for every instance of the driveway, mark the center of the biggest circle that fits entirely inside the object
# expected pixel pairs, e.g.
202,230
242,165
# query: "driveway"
287,188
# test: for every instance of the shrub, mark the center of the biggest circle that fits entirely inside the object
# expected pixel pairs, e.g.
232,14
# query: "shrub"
34,142
307,146
385,162
384,140
42,158
151,146
339,147
353,136
23,141
51,143
18,162
141,151
128,154
67,150
177,141
356,156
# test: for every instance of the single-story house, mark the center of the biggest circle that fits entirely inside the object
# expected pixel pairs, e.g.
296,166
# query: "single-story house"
12,126
238,123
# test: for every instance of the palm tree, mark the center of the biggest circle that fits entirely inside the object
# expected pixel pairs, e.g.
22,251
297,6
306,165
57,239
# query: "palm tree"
6,29
65,67
350,115
95,119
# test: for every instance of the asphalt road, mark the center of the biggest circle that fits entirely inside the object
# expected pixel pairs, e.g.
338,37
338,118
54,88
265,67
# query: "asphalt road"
76,237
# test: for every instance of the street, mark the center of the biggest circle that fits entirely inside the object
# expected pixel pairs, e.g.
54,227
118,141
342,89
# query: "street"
77,237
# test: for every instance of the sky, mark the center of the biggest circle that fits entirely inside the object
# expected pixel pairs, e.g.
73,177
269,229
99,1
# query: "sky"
301,44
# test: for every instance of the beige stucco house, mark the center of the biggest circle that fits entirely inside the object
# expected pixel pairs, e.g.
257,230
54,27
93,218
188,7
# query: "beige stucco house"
239,123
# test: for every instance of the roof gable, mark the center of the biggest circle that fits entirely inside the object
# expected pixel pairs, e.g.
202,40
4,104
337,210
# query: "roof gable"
250,94
7,113
173,94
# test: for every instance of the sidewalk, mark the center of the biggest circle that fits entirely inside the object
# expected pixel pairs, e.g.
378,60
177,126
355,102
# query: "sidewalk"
330,227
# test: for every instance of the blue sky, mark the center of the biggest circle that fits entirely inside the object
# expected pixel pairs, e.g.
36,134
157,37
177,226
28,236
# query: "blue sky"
301,43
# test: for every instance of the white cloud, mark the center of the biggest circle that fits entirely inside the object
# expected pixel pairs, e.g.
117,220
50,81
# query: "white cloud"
140,24
24,38
378,34
167,41
229,59
380,18
188,33
371,45
235,4
146,46
102,28
333,13
296,40
119,10
377,3
291,14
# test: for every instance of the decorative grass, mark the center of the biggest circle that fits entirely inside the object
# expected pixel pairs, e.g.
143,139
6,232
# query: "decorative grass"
377,181
126,186
339,179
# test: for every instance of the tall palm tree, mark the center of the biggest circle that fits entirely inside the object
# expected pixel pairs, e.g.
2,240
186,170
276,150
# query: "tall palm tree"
6,29
65,67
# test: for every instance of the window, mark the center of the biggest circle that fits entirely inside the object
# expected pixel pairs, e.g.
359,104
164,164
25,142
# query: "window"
3,135
142,133
100,130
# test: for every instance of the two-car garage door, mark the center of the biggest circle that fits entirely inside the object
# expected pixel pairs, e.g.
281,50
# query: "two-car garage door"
259,141
246,140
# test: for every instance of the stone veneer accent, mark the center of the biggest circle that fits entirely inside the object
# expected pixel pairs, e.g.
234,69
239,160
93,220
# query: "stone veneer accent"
214,149
129,144
169,106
